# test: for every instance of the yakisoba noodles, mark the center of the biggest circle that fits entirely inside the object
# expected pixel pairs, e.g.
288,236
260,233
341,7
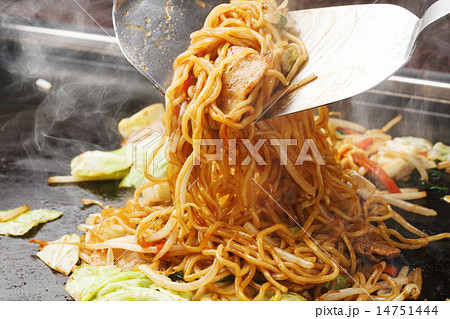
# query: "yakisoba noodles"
271,228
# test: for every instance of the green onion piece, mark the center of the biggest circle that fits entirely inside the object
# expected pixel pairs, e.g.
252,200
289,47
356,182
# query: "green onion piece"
283,21
226,279
294,229
178,276
341,283
288,59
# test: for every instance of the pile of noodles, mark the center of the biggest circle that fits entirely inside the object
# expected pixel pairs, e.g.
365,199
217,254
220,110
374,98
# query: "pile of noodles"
270,228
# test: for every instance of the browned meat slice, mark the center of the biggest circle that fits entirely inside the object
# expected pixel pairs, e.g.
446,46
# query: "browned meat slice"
241,76
374,248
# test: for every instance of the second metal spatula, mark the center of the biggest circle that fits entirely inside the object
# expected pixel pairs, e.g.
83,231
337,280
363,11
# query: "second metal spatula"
351,48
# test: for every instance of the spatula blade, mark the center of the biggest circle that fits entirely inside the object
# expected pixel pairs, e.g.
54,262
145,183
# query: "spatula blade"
151,34
351,49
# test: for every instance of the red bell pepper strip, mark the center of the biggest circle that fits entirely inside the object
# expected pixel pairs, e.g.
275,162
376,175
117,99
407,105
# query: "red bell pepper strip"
344,153
365,143
375,169
160,246
390,270
423,153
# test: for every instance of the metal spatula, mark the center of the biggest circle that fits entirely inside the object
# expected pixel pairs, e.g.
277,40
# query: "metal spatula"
351,48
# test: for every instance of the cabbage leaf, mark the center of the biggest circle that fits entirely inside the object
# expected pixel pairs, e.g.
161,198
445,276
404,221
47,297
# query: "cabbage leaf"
138,153
135,178
96,283
101,283
21,224
128,163
59,256
440,152
142,119
101,164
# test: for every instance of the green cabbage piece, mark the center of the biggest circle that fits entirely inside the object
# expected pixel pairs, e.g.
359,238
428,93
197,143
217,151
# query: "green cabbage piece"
290,296
96,283
341,283
101,164
142,119
134,178
129,161
123,163
440,152
60,255
140,153
21,224
101,283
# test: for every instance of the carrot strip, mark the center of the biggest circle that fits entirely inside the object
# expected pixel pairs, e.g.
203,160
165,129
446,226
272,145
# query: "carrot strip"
374,168
365,143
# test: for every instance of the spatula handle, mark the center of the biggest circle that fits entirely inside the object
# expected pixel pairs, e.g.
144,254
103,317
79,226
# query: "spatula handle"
435,12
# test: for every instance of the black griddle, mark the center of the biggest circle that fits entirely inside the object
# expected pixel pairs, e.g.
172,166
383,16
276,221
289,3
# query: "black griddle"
41,132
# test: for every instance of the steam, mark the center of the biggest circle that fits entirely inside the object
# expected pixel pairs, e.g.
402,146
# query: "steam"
92,91
93,87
